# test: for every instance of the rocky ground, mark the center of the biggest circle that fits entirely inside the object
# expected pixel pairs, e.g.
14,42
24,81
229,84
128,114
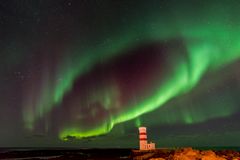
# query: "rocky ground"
185,154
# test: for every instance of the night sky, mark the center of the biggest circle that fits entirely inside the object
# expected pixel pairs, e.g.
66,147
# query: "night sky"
87,73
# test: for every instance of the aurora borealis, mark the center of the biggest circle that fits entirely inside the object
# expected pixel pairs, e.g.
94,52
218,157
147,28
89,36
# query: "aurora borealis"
80,73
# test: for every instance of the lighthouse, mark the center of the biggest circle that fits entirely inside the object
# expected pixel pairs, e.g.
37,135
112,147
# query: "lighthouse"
142,138
143,144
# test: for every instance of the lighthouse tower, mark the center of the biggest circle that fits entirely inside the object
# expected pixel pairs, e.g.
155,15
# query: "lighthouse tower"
142,138
143,145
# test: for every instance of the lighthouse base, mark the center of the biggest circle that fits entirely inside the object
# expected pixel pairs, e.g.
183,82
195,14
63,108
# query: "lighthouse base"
143,145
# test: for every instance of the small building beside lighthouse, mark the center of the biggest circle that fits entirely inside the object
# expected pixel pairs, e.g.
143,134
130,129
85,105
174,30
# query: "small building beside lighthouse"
143,144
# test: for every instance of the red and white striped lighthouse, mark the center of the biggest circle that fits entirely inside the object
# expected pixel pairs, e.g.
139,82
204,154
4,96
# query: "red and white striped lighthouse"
142,138
143,144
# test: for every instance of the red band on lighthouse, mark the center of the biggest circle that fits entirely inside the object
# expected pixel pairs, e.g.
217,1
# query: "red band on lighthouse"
143,133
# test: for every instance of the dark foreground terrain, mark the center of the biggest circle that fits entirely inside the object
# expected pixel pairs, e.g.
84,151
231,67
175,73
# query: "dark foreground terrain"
62,154
120,154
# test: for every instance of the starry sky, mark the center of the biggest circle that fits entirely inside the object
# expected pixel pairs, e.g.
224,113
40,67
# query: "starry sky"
88,73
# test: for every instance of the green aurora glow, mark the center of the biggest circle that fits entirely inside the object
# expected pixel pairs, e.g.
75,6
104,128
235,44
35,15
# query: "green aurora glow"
210,35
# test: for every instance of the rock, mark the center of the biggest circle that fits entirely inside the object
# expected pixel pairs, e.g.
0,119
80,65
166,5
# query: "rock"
210,155
186,154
